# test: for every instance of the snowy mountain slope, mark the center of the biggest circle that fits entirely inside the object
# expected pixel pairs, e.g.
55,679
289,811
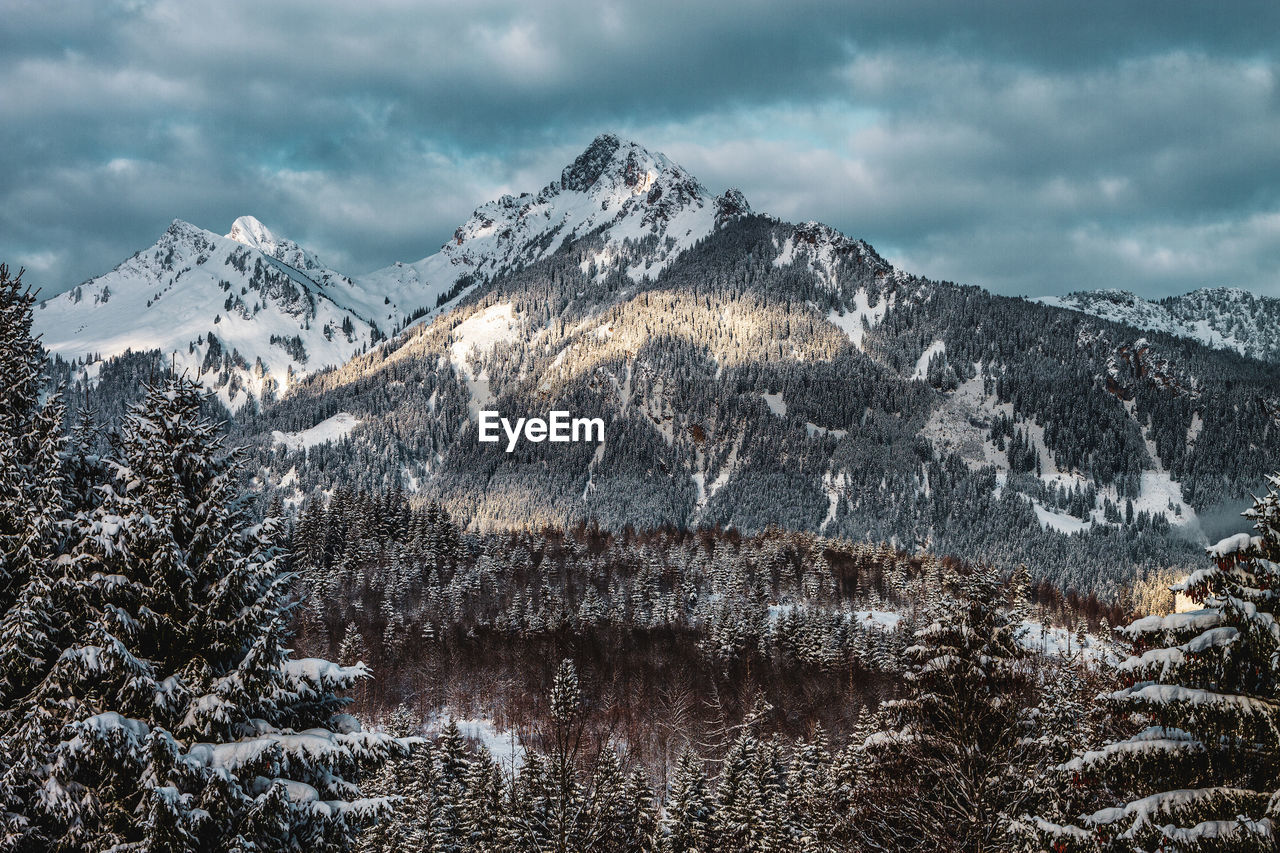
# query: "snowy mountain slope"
646,208
230,309
372,305
1220,317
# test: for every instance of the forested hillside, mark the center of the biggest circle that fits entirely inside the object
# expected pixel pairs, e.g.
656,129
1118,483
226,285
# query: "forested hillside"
786,375
166,679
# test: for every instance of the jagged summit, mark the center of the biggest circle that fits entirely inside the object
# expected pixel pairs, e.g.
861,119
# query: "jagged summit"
249,231
730,205
646,209
617,185
586,169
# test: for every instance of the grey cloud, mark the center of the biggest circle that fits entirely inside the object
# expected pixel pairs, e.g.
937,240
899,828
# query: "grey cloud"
1026,147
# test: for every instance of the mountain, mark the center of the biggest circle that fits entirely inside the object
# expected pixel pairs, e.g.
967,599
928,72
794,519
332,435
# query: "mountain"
263,298
248,312
1220,317
645,209
785,374
749,372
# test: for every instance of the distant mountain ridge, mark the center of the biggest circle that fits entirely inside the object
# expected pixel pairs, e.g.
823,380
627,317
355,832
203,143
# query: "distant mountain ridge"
1219,317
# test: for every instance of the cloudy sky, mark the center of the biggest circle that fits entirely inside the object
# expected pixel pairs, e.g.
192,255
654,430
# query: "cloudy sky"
1026,149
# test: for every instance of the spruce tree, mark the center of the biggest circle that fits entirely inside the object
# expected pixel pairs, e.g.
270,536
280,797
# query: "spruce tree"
37,592
688,821
1203,773
951,773
483,809
739,812
186,723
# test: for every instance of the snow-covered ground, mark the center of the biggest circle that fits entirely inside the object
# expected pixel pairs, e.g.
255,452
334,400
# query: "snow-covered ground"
884,620
852,321
922,363
480,333
1059,521
961,424
333,428
1057,641
504,746
1219,317
815,431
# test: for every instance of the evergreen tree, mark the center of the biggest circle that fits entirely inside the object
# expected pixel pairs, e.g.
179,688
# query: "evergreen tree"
1204,772
403,779
739,812
688,821
186,724
951,775
37,592
483,809
449,791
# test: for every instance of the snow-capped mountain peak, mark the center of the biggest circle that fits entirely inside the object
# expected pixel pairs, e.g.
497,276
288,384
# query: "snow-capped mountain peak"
252,233
249,231
646,209
620,187
246,320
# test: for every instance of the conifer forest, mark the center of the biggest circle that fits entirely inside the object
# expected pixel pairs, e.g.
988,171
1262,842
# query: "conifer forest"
602,426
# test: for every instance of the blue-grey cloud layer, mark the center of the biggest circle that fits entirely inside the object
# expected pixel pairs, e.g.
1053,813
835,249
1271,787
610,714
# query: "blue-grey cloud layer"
1025,148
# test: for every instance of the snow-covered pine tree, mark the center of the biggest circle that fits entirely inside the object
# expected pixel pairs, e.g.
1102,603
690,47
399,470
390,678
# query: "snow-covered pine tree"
1204,772
1065,722
402,778
687,826
641,814
34,594
529,817
186,724
564,736
776,814
739,812
449,791
607,824
484,807
950,774
811,793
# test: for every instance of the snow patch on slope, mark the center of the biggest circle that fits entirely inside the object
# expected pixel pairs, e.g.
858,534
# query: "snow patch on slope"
861,316
330,429
479,334
922,363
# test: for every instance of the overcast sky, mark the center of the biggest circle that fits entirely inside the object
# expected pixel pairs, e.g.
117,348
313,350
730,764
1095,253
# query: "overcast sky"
1024,148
